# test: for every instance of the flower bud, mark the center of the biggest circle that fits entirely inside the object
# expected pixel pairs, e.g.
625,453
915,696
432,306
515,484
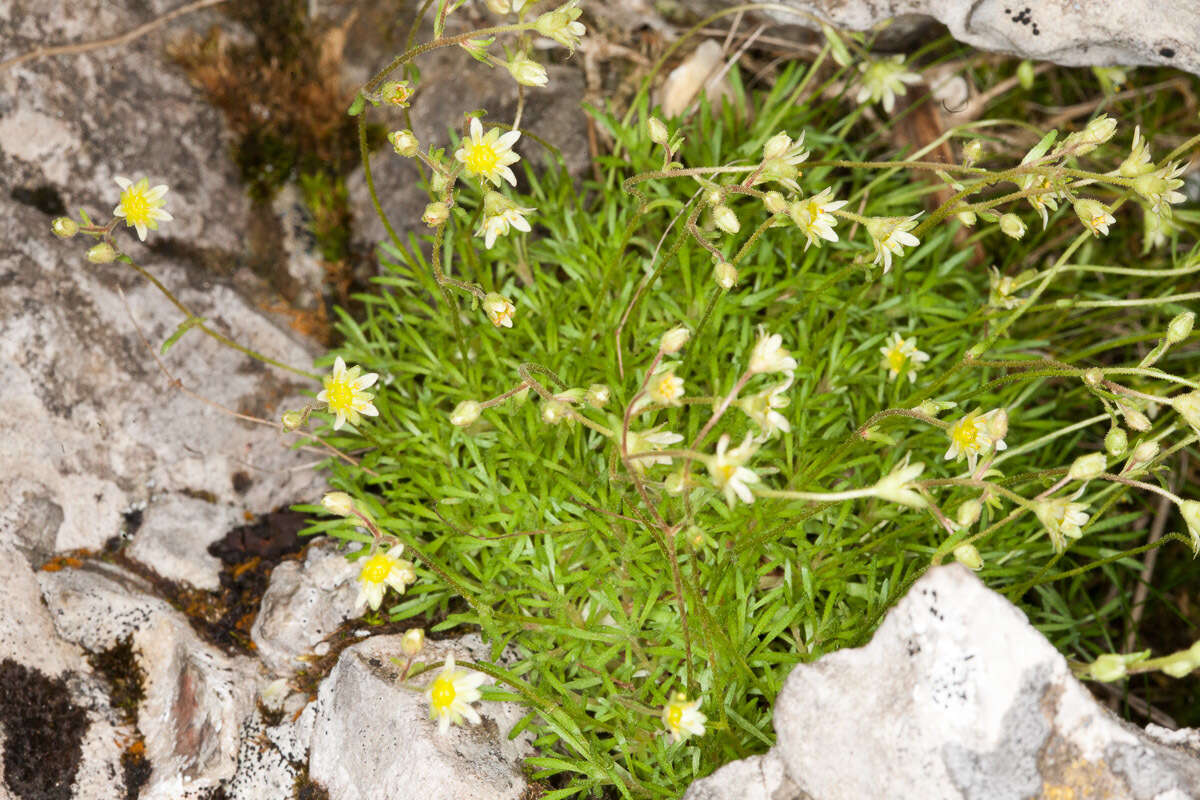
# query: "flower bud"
1011,225
968,555
967,218
1097,132
478,48
674,340
1183,662
597,395
1188,407
292,420
404,143
674,483
658,131
561,25
554,411
64,227
397,93
727,275
465,413
1093,377
1025,74
499,6
1190,510
1087,467
726,220
436,214
103,253
1144,453
1180,327
439,182
776,146
1116,441
968,513
1134,418
339,504
1108,667
526,71
972,152
412,642
775,203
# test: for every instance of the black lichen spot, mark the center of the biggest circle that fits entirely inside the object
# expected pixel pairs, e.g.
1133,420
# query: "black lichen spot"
133,521
242,482
1036,32
44,198
118,666
43,731
1167,52
137,771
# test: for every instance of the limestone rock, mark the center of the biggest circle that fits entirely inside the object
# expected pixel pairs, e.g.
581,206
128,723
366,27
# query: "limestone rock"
305,602
196,696
1100,32
957,696
373,738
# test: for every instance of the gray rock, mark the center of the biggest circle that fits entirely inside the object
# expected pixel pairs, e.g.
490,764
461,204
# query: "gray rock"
373,738
196,696
956,696
174,537
1099,32
93,428
305,602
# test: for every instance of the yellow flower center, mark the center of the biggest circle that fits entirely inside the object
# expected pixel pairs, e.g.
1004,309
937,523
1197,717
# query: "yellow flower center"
135,205
965,434
674,716
481,158
443,693
896,359
340,394
726,471
377,568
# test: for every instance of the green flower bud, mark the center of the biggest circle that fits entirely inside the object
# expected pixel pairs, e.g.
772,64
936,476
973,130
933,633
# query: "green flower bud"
658,131
597,395
1088,467
972,152
412,642
404,143
339,504
465,413
968,513
1116,442
102,253
1108,667
727,275
1180,327
1025,74
292,420
435,214
1011,225
968,555
64,227
674,340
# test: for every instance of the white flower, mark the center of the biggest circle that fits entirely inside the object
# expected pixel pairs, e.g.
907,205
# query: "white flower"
1158,188
683,718
812,216
561,25
141,206
647,441
901,355
975,434
1094,215
1044,201
728,471
345,393
1062,519
488,156
451,694
897,487
499,310
769,354
883,79
763,408
499,213
666,388
378,572
780,157
890,235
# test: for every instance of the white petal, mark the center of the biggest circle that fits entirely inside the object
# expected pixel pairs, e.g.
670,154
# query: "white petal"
124,183
366,381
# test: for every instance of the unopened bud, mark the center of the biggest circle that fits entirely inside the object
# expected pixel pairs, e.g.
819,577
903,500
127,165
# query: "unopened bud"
1011,225
1188,407
435,214
674,340
554,411
968,555
598,395
777,145
439,182
1144,453
1087,468
1093,377
292,420
775,203
1116,442
727,275
412,642
967,218
658,131
726,220
968,513
64,227
404,143
1025,74
972,152
1180,327
1134,418
338,503
103,253
674,483
465,413
1108,667
1097,132
499,6
526,71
